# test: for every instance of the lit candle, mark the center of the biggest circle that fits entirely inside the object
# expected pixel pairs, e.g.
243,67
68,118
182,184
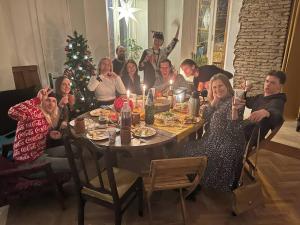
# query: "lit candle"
128,94
144,91
171,83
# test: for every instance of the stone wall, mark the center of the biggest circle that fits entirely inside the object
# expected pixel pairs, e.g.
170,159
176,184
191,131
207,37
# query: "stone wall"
261,40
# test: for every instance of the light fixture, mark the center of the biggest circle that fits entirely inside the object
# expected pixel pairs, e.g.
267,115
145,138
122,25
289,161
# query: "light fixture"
126,11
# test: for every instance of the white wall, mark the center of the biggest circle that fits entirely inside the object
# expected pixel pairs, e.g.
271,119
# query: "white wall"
173,12
189,28
156,18
232,32
77,17
97,28
142,23
6,76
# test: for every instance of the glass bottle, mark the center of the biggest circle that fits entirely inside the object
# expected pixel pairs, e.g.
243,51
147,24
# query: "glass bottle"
125,123
149,109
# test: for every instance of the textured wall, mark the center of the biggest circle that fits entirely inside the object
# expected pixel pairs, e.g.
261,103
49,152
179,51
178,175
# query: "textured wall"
261,40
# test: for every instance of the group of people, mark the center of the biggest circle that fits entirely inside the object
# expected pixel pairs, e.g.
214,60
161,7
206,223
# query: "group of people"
38,135
116,76
226,132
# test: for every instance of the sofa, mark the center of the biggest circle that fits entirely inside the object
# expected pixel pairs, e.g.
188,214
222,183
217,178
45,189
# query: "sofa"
7,125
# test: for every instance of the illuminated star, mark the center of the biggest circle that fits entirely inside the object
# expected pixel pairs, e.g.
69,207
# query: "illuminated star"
126,11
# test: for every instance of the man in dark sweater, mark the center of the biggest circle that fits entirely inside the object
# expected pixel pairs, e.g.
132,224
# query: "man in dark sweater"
118,62
267,108
201,74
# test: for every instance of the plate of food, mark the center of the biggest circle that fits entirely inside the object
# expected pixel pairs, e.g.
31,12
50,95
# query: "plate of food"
97,135
100,112
144,132
181,107
87,122
166,117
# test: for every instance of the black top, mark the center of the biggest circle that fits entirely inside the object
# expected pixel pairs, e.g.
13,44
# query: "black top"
274,104
206,72
117,66
134,86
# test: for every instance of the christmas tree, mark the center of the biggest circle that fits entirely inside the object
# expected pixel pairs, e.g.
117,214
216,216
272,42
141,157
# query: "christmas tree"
79,70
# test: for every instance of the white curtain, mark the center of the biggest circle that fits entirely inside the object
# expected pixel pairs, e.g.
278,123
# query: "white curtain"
37,33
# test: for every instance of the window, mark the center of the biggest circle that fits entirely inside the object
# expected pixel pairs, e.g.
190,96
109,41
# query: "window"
212,18
135,27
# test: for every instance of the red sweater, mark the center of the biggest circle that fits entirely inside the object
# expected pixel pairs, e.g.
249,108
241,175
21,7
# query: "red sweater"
32,129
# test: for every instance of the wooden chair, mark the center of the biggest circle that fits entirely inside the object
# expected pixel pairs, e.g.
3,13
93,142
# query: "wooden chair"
251,162
108,186
166,174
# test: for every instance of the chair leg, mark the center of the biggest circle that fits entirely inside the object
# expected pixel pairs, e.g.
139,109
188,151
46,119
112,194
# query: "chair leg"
118,217
182,206
60,196
81,205
140,198
149,209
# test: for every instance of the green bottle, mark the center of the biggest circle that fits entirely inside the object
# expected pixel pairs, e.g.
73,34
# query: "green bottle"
149,108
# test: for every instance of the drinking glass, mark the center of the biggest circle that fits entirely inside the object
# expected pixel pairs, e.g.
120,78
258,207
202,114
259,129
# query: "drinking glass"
112,134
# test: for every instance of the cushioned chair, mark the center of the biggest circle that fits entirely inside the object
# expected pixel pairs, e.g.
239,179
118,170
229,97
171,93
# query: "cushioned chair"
101,183
15,184
167,174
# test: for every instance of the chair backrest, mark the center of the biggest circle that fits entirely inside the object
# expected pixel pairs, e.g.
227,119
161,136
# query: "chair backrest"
168,168
274,131
84,155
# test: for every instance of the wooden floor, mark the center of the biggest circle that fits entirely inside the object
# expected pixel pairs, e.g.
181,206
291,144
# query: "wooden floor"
279,174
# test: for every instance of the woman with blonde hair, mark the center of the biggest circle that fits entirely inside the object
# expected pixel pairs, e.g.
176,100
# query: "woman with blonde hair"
223,139
106,83
36,117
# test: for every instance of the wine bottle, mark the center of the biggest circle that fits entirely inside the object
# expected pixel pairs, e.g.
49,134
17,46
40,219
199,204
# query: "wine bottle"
170,95
149,109
126,123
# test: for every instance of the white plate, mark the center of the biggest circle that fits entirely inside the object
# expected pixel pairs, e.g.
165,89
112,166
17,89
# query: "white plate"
144,132
100,112
89,124
102,134
97,135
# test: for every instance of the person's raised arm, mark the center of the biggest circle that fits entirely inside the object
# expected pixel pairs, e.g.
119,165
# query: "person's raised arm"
93,83
143,60
23,110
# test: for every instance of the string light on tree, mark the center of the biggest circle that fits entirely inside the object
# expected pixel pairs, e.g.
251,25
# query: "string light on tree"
80,67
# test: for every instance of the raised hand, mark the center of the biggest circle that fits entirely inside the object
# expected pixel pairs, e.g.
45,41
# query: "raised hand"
64,101
43,93
71,99
55,135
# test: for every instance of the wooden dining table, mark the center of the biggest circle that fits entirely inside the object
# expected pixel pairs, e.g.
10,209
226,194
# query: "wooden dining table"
164,135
